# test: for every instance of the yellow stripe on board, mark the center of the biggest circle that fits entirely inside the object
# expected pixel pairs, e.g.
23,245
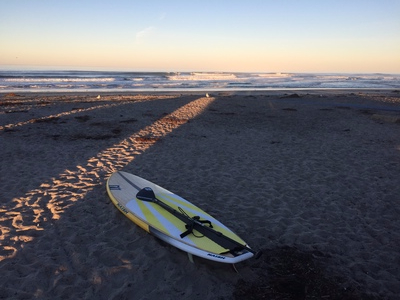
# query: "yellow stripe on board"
138,222
151,218
132,217
168,198
216,227
196,237
200,241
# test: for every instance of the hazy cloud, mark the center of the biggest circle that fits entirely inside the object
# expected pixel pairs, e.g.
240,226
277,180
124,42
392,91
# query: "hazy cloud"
140,35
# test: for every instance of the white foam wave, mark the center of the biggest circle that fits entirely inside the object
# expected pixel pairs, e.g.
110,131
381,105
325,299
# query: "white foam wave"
203,76
186,80
273,75
58,79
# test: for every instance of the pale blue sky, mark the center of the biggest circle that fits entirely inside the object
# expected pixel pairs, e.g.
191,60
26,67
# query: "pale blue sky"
204,35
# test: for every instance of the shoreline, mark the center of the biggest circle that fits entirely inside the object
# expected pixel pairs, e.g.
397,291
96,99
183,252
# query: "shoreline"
311,177
200,91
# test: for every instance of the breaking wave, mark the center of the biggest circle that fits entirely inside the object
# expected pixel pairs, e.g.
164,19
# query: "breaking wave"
26,81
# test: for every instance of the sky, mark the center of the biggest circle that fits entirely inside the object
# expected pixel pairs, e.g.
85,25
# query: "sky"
202,35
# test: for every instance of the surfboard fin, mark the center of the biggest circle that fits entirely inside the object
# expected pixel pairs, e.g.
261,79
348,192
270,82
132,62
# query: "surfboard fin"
190,255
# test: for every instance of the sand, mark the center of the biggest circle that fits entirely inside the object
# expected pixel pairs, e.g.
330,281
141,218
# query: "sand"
310,177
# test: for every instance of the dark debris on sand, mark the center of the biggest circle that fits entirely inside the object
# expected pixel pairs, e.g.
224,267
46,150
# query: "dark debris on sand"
291,96
291,274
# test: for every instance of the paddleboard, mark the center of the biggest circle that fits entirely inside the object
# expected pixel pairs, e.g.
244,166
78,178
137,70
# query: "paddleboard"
175,220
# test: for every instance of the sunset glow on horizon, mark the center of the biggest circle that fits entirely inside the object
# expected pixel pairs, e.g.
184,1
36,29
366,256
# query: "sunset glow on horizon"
230,36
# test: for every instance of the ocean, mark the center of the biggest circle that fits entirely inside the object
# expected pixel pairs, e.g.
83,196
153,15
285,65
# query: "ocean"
101,81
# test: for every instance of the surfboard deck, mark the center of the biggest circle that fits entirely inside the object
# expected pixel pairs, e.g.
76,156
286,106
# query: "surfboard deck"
122,188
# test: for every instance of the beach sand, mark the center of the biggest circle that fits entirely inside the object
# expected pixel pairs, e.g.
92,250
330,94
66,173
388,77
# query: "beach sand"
310,177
